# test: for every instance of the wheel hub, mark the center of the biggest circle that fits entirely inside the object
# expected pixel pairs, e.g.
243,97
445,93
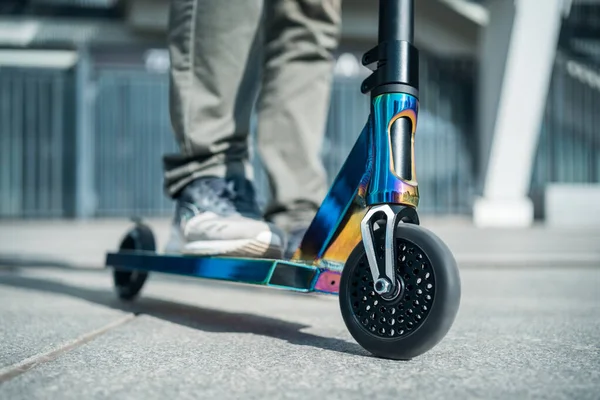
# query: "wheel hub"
382,286
403,312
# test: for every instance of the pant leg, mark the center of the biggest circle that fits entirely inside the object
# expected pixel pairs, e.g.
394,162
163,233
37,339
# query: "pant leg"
300,36
213,83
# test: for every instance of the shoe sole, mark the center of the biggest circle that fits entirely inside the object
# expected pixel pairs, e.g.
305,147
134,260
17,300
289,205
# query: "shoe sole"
265,245
233,248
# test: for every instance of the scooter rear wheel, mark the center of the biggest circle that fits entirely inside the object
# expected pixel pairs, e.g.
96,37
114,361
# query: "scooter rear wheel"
129,283
422,310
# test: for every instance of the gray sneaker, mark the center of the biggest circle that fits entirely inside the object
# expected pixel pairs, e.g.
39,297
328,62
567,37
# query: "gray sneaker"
219,217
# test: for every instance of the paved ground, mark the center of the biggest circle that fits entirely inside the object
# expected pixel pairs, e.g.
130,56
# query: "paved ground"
528,327
522,332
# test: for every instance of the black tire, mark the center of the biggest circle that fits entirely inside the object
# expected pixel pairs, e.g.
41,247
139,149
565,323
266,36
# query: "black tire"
128,284
421,314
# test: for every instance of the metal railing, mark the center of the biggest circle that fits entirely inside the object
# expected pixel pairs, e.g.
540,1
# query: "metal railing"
132,131
35,143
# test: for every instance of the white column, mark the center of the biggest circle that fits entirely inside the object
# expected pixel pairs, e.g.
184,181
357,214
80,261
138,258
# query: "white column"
534,27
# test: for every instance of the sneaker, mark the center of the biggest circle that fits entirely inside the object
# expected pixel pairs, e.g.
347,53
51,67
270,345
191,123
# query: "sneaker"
219,217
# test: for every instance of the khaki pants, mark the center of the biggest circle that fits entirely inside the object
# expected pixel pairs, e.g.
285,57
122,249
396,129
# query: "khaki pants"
228,56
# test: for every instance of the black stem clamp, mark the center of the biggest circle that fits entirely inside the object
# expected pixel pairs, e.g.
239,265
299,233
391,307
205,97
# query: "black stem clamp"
396,70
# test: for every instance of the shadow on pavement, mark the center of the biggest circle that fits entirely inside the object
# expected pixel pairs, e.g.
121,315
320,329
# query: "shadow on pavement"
16,261
204,319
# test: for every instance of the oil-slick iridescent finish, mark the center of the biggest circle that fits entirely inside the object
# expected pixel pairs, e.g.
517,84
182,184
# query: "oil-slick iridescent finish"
385,186
366,178
287,275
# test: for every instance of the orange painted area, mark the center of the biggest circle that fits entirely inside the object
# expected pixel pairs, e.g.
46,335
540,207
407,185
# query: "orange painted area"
408,113
348,237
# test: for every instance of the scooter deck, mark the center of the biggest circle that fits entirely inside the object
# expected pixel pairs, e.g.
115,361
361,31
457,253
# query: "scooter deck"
282,274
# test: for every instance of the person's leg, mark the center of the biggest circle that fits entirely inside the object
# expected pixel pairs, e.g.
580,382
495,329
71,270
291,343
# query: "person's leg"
300,36
213,86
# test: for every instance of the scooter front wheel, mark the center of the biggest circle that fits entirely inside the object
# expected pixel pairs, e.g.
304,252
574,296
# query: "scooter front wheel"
424,306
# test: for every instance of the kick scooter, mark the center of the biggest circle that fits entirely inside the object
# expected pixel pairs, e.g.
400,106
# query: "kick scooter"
398,283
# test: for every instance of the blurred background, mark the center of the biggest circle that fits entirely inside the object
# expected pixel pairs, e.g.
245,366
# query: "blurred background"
508,129
508,163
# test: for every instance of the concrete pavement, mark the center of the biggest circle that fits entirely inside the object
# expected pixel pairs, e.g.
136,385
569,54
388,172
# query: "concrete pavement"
520,333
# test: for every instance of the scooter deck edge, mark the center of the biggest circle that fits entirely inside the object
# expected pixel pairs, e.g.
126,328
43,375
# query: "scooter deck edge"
282,274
